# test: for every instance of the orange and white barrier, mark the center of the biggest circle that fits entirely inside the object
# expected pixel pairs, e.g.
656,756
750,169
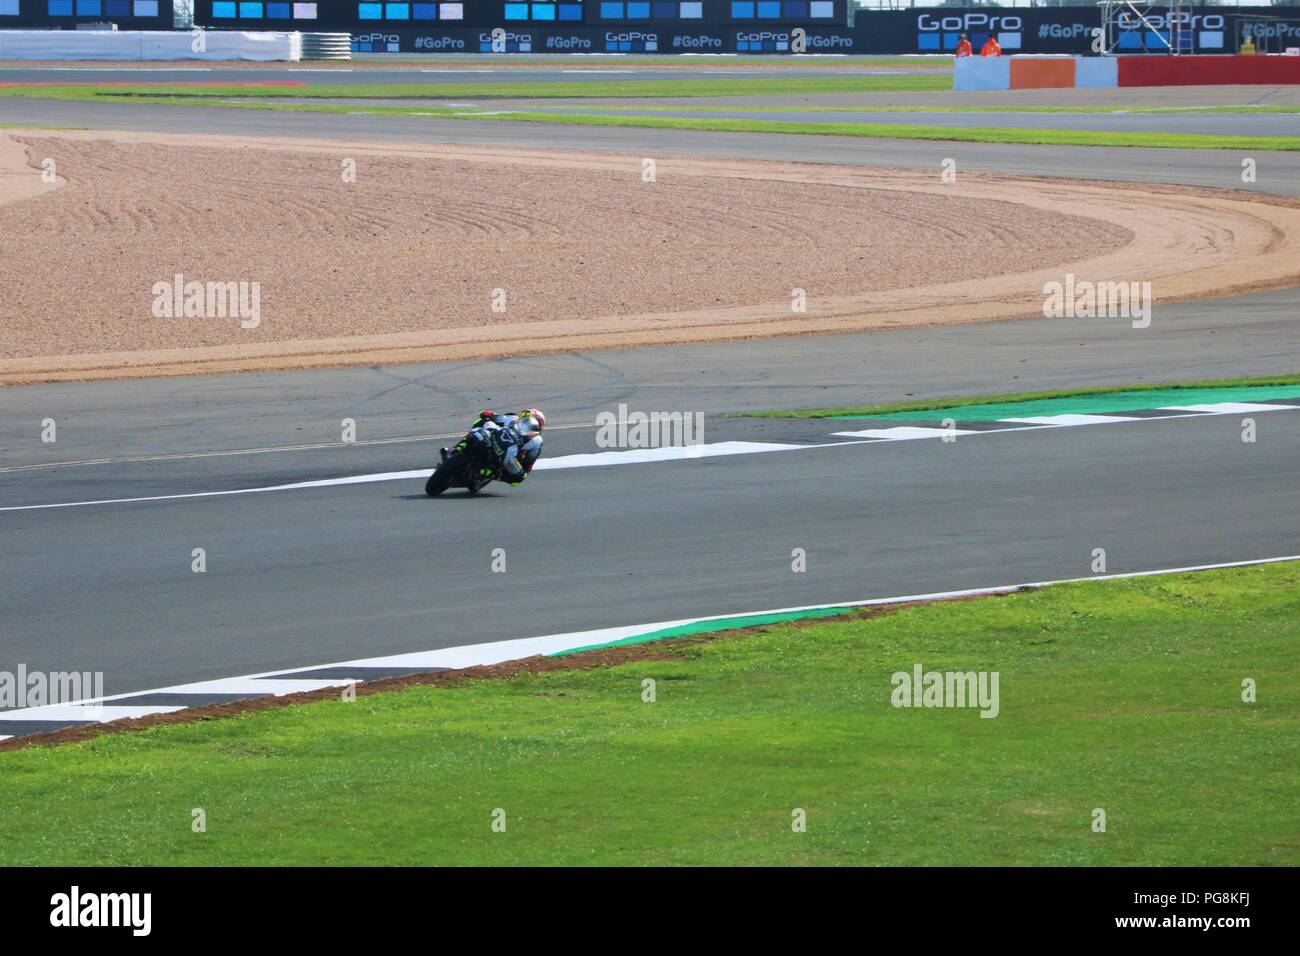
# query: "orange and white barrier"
1092,72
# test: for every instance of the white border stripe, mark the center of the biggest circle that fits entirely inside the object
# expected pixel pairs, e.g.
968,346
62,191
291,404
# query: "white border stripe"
1231,408
673,453
501,651
88,710
630,457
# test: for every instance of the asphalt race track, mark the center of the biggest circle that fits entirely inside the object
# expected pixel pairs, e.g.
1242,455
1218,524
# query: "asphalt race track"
310,576
297,578
1213,124
1279,172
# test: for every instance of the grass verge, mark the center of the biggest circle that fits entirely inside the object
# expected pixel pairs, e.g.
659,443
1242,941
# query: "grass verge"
974,134
265,99
730,125
1122,695
927,404
1244,108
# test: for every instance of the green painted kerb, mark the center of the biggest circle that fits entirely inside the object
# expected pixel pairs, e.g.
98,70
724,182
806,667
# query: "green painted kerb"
1092,404
709,627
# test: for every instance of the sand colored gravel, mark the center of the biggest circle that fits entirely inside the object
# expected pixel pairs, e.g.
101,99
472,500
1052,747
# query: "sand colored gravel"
402,264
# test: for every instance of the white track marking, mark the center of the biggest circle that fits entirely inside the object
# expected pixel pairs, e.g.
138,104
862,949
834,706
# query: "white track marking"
272,449
183,456
1067,421
906,433
283,682
354,479
88,710
1035,423
1190,411
638,456
1230,408
634,456
1038,422
500,651
257,687
102,709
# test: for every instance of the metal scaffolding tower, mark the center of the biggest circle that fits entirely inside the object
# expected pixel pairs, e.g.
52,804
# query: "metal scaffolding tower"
1161,26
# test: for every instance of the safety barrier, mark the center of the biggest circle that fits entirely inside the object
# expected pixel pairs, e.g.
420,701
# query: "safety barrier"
1038,73
147,45
1207,70
327,46
1057,72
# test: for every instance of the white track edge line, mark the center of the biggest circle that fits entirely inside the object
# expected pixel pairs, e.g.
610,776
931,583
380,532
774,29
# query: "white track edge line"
396,476
657,626
545,464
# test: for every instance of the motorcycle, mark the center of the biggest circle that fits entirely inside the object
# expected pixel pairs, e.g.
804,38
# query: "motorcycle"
471,464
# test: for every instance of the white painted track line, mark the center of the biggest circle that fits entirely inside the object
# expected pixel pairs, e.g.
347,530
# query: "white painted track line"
906,433
283,682
630,457
83,711
678,453
1070,421
1231,408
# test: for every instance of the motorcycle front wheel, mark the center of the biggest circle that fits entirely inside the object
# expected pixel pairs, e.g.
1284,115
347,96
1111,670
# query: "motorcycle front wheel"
443,476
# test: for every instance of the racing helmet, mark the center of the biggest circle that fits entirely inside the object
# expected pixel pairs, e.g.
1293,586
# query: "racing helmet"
531,420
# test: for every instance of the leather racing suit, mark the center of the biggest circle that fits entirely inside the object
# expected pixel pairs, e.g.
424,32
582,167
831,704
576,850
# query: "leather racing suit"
517,449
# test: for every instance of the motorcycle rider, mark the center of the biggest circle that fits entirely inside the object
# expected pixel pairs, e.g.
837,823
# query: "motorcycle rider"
516,440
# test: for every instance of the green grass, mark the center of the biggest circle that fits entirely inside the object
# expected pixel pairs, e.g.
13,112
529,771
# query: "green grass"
728,125
1045,137
1123,695
265,98
1243,108
925,404
974,134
